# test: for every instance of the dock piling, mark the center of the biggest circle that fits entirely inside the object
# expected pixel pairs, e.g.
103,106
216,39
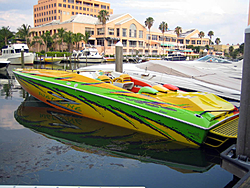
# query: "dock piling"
243,138
119,57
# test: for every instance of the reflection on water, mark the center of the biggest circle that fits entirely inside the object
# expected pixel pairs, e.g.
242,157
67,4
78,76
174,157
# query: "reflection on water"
57,148
88,135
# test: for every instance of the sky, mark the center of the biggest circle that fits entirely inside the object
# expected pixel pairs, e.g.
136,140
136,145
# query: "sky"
226,18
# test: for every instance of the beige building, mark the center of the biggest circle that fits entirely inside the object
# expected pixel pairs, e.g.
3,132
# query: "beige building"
125,28
48,10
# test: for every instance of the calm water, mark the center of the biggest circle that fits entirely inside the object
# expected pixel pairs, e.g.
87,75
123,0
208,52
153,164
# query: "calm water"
41,145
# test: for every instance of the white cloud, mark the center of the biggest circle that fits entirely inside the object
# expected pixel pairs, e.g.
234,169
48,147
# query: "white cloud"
227,18
14,19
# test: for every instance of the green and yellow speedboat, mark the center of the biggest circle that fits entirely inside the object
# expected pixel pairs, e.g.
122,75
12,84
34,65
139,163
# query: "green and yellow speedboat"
191,118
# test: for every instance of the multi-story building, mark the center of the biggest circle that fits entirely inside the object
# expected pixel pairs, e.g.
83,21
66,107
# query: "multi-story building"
48,10
122,27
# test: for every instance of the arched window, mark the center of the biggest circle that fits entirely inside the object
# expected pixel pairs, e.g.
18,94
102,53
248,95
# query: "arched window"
132,31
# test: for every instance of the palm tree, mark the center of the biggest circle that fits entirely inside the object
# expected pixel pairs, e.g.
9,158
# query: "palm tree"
47,40
60,34
201,34
24,32
149,23
210,34
86,37
103,17
163,27
36,41
78,37
6,34
68,38
178,31
217,41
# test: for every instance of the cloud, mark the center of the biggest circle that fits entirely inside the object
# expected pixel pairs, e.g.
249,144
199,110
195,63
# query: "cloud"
227,18
14,19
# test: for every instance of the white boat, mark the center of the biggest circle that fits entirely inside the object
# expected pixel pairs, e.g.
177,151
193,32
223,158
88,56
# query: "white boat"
4,64
175,56
89,55
12,53
145,73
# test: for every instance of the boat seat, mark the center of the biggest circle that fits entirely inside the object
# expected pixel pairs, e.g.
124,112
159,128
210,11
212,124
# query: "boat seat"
160,88
148,90
123,81
105,79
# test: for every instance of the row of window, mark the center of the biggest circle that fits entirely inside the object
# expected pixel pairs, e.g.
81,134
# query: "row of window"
45,7
45,13
71,6
46,19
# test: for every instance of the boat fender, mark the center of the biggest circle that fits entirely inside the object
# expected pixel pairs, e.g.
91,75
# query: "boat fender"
171,87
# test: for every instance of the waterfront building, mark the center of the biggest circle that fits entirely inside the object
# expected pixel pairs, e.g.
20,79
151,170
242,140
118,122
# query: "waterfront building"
120,27
48,10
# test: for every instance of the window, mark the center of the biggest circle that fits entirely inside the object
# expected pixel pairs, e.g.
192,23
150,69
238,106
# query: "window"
103,6
73,13
154,37
54,11
132,43
64,1
148,37
193,42
76,7
54,4
140,34
124,43
68,6
84,8
71,1
132,31
90,30
100,31
73,7
117,32
55,17
124,32
100,42
140,44
64,5
80,8
111,31
198,41
60,4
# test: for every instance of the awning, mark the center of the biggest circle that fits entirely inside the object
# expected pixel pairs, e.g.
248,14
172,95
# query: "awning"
167,44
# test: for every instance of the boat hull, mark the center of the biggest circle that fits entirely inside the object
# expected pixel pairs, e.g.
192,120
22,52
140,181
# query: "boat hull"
16,60
116,106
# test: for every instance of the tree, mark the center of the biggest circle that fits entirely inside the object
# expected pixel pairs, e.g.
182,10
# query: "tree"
201,34
149,23
68,38
60,33
78,37
47,40
178,31
163,27
36,42
6,34
24,32
103,17
210,34
217,41
86,37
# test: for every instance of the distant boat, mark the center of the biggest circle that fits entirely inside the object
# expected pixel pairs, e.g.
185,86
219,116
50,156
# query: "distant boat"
4,64
175,56
12,53
92,54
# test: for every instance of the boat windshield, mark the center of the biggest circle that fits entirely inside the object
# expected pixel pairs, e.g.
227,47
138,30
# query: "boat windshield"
215,59
19,50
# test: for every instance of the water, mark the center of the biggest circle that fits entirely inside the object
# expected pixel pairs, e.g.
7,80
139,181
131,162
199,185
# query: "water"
41,145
